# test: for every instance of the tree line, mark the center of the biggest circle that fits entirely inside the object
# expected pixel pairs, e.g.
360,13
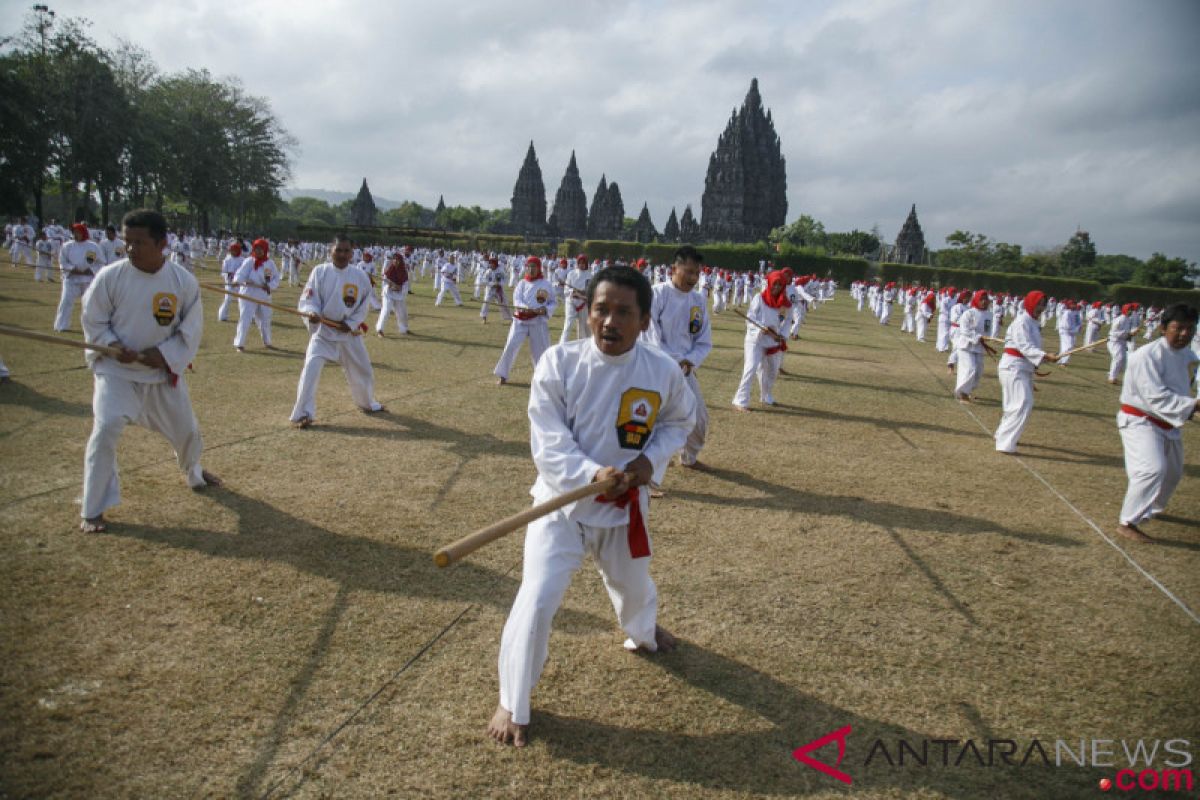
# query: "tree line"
89,131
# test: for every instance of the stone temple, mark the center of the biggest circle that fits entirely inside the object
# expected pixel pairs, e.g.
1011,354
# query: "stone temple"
910,242
745,191
363,211
529,198
570,205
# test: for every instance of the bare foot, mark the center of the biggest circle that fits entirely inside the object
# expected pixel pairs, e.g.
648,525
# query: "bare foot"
741,409
1130,531
501,381
504,730
656,493
303,422
381,410
239,349
699,466
210,479
663,640
94,525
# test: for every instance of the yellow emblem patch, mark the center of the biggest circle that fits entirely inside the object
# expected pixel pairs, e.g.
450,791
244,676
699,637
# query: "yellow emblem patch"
636,416
164,308
349,294
696,320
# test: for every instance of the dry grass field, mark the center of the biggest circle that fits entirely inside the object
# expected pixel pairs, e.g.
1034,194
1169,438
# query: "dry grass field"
857,556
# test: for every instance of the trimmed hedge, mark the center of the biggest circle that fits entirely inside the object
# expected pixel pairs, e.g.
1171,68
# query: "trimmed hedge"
1011,283
1123,293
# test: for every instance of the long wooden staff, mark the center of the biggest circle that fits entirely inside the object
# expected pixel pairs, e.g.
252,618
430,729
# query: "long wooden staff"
60,340
469,544
285,309
512,308
778,336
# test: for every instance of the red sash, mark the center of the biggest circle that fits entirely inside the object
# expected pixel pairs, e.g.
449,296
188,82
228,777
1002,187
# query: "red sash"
639,541
1012,351
1133,411
524,316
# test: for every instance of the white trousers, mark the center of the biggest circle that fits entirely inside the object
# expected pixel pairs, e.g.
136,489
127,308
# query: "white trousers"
72,290
907,325
494,296
554,550
351,353
252,313
757,363
1119,353
160,407
970,370
922,324
1065,342
536,330
451,287
695,441
885,313
21,254
228,302
1016,391
394,302
1154,464
573,319
943,336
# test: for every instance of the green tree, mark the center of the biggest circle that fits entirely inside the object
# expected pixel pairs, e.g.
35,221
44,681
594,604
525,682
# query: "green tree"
1166,273
804,232
1079,256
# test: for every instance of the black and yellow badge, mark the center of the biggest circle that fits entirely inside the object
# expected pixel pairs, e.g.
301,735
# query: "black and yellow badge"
349,294
636,416
696,320
542,296
164,308
90,257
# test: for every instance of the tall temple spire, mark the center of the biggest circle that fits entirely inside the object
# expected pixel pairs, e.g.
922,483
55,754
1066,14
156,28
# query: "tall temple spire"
745,190
570,204
363,210
910,242
529,198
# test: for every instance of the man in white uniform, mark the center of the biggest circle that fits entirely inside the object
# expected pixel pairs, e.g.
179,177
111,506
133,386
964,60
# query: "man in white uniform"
149,309
229,269
603,407
680,327
112,246
1156,401
79,261
336,300
574,285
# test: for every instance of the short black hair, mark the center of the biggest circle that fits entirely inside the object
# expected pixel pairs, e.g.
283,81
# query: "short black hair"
338,238
623,276
1179,312
154,222
688,253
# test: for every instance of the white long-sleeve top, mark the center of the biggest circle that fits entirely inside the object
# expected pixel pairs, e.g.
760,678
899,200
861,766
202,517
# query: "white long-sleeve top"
971,328
113,249
338,295
80,256
1120,331
1156,381
768,317
588,410
1024,334
125,307
534,295
259,282
575,287
679,324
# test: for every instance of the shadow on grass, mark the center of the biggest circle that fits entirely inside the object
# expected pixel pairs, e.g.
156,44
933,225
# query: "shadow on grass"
883,514
878,422
758,761
265,533
15,393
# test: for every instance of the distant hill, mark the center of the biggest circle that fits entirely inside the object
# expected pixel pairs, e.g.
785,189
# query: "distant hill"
333,198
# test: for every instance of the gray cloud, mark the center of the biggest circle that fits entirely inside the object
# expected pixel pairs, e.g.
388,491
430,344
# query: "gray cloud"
1021,119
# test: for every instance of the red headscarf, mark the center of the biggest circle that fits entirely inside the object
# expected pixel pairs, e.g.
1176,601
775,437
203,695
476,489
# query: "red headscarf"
776,278
266,248
81,230
533,264
930,300
1031,301
368,257
235,249
964,297
1125,309
979,298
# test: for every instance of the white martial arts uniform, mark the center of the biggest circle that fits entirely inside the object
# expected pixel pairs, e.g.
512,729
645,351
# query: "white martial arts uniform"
79,262
968,344
1119,334
449,276
257,282
680,327
45,251
229,269
395,297
1022,355
493,293
1067,325
763,354
127,307
924,314
1156,401
113,249
529,295
945,303
339,295
575,304
588,411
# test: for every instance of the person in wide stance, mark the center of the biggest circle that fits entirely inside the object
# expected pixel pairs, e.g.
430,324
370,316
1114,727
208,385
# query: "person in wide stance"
1156,401
149,309
601,407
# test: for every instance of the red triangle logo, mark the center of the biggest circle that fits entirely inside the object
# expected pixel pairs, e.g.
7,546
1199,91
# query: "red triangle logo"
801,754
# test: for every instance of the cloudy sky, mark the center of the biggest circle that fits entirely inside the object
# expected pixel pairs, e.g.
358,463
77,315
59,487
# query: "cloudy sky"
1021,120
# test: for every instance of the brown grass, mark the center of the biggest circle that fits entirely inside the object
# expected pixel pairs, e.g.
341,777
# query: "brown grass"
858,556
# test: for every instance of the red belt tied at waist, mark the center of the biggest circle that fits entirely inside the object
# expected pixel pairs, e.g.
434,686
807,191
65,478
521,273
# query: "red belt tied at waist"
525,316
1012,351
639,541
1133,411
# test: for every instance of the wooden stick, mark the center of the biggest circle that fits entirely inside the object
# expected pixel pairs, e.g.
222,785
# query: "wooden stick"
285,309
469,544
511,307
63,341
762,328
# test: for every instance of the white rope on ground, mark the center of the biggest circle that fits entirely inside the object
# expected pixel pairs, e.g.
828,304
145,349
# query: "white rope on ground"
1153,580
